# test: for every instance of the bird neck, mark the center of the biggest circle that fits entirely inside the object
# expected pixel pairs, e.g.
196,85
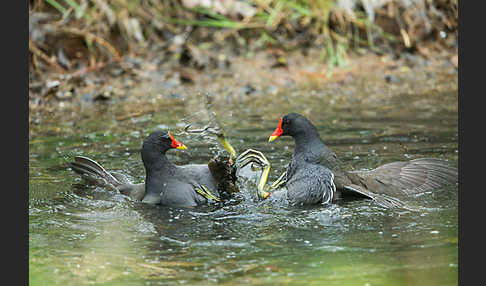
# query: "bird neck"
308,146
155,162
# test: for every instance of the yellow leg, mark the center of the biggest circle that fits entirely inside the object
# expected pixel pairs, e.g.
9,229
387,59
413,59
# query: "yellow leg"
216,130
257,157
261,184
205,192
227,146
279,182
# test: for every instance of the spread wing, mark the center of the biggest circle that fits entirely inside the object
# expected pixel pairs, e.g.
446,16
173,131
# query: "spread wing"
409,177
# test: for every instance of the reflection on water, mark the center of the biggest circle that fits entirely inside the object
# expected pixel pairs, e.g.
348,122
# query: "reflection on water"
83,235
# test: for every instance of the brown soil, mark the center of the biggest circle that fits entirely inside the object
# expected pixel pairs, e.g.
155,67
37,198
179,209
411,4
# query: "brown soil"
131,88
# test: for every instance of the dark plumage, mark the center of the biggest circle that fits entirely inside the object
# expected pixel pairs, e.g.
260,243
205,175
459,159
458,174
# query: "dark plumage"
309,183
165,182
94,172
314,168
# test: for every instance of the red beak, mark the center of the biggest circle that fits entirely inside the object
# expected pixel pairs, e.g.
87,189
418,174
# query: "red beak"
277,131
176,144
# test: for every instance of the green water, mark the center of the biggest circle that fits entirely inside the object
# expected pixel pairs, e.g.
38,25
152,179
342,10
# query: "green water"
81,234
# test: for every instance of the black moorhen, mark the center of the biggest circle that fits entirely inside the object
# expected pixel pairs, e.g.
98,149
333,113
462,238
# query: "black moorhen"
315,174
166,183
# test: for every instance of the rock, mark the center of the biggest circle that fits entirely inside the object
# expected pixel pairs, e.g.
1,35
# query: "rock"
389,78
247,89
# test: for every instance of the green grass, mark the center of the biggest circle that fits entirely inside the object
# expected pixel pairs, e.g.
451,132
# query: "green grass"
275,21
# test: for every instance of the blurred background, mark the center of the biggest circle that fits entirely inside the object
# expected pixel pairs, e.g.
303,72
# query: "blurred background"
70,40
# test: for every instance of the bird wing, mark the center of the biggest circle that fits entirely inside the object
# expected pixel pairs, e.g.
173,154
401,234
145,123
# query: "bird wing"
409,177
330,160
381,199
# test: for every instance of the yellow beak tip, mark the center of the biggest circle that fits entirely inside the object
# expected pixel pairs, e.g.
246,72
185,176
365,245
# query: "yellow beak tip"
272,138
182,147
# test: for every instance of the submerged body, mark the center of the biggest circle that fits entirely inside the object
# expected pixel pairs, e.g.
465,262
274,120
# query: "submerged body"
315,172
165,183
172,185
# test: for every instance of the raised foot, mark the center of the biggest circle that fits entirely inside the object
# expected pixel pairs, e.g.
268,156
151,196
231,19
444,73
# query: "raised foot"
251,156
218,132
256,157
215,130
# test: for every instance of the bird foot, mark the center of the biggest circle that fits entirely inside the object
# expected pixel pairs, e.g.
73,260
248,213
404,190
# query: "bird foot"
218,132
257,158
252,156
215,130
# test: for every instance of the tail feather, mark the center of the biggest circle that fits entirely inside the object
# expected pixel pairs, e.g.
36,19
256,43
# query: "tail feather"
83,169
88,167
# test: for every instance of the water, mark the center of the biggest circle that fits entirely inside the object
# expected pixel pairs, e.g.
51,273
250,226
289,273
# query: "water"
81,234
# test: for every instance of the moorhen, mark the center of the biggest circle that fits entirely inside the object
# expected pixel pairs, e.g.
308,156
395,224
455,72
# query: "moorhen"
316,175
166,183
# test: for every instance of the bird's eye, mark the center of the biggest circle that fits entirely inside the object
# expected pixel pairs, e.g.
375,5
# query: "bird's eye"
165,138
